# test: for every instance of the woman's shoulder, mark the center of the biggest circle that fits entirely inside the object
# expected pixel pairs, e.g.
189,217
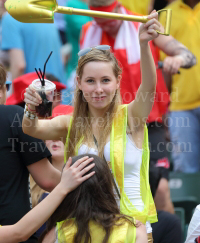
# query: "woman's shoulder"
124,106
50,237
124,231
120,231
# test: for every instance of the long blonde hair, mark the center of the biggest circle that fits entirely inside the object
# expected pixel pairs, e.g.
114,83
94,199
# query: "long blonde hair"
2,76
81,124
36,192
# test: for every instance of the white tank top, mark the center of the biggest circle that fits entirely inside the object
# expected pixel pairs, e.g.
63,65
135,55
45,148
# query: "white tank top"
132,165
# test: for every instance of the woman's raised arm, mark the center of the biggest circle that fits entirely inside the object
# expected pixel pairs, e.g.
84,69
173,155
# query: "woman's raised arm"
142,105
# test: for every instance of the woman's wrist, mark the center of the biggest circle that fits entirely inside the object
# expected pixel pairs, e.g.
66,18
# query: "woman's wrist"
62,189
144,44
29,113
32,108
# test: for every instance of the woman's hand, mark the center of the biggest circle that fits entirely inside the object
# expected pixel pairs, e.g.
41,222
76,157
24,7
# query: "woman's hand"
73,176
147,31
31,97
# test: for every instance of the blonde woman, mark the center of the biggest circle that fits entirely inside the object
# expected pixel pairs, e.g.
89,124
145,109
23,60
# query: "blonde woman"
56,149
100,125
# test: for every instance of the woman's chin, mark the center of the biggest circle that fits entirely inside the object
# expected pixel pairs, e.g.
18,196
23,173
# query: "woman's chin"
99,105
56,153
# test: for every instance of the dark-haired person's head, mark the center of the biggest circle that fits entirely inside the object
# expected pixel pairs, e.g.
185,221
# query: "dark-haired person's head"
2,85
93,200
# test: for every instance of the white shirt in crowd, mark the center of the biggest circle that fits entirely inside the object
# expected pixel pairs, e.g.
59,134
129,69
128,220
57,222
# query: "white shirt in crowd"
194,226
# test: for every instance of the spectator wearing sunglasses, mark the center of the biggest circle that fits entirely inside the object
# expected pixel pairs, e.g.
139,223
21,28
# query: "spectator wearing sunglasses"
97,108
122,36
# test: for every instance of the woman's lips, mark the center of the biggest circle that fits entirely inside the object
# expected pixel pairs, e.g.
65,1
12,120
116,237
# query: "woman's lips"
99,98
55,147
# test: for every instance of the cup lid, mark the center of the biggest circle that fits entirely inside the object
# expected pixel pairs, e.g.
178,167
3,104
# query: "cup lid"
49,86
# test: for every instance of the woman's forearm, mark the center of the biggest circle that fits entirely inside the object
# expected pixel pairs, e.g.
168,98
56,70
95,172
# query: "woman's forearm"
148,68
40,214
41,129
33,220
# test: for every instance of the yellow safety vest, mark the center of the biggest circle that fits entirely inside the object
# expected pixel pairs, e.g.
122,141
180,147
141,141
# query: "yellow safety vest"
125,233
117,155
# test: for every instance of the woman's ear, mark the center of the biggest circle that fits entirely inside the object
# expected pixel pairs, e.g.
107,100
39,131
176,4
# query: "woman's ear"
118,81
78,80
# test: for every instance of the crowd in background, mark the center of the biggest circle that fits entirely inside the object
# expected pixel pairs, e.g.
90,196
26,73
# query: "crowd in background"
173,124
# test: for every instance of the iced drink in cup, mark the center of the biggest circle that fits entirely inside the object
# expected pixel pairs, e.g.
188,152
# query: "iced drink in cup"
46,92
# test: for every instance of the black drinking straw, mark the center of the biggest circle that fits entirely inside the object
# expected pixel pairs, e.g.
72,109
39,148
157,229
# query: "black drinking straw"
38,75
45,65
43,74
42,81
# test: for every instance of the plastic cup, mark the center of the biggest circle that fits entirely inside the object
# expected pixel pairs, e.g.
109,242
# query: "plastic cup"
46,92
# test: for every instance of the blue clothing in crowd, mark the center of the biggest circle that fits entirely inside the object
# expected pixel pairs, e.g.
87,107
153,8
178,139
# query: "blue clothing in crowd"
36,41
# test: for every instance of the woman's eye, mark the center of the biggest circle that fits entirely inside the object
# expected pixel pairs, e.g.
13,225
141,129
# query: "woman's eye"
90,81
106,80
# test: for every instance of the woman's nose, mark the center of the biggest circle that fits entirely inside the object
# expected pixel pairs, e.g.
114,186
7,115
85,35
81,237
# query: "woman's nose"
98,88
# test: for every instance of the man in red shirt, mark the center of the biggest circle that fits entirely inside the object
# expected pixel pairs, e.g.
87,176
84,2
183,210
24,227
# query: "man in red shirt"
122,36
